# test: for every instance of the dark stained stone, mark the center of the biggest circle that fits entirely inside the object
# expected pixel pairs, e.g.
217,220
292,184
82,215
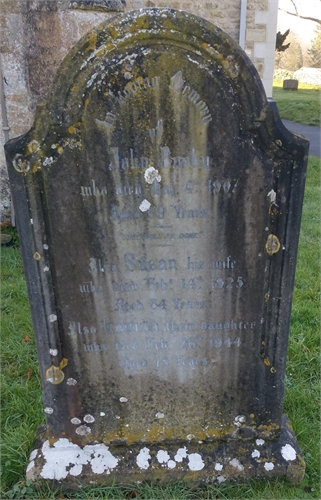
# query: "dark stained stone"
103,5
158,199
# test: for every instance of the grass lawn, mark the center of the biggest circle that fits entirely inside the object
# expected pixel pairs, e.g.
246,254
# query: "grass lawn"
301,106
21,393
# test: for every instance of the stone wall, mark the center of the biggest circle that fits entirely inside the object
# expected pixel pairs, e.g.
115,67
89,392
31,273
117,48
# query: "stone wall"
37,34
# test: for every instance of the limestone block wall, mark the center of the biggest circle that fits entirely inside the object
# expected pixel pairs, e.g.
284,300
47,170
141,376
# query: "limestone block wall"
37,34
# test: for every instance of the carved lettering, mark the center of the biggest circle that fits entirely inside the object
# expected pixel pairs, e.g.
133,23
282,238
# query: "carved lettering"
141,264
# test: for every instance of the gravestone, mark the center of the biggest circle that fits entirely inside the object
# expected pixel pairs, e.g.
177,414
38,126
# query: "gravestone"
290,84
158,199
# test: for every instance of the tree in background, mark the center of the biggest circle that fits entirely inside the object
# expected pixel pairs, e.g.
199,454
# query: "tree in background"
298,14
314,52
290,58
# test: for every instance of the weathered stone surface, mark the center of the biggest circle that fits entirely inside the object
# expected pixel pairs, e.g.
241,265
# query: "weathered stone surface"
158,197
103,5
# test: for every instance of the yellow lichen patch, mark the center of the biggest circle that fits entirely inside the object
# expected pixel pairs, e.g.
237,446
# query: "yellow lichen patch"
267,297
92,41
71,130
204,45
60,150
33,146
273,244
74,88
37,256
273,370
34,168
267,362
252,415
113,32
110,46
86,102
54,374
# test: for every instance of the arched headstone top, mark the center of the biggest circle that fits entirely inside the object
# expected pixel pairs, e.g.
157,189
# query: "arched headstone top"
130,35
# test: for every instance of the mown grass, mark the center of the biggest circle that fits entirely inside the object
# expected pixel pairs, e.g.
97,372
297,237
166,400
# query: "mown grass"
21,394
300,106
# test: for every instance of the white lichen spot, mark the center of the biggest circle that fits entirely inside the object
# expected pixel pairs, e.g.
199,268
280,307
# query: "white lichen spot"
159,415
89,419
218,466
75,421
102,413
83,430
142,458
181,453
53,146
47,161
272,196
269,466
31,221
123,400
71,381
65,458
195,462
52,318
53,352
45,246
288,452
171,464
48,410
151,174
255,454
162,456
190,437
221,479
117,416
144,206
260,442
240,419
235,463
46,269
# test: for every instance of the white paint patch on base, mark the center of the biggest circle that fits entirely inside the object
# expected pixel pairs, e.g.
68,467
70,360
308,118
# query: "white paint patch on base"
237,464
288,452
162,456
142,458
30,466
64,454
151,174
218,466
181,453
123,400
171,464
255,454
195,462
53,352
89,419
33,454
221,479
260,442
71,381
52,318
46,268
49,411
269,466
102,413
159,415
75,421
144,206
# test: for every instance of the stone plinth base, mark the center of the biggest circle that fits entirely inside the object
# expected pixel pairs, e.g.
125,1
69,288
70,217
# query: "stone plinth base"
216,462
